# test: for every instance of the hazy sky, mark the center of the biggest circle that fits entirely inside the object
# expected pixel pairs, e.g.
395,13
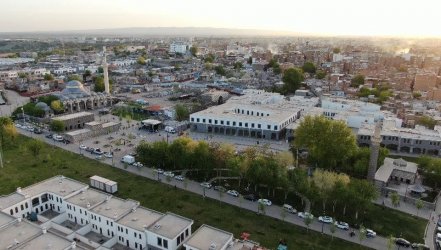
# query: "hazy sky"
331,17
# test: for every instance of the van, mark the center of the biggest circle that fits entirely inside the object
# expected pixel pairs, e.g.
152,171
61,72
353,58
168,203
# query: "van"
169,129
289,208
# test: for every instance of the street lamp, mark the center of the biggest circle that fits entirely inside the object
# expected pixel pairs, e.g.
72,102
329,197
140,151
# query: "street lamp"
323,221
24,119
111,153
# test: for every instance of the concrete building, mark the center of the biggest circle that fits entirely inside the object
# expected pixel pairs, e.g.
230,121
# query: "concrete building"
178,47
397,170
92,129
257,114
75,120
71,215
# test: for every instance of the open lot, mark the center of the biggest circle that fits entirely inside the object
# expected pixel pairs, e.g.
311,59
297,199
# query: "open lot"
23,169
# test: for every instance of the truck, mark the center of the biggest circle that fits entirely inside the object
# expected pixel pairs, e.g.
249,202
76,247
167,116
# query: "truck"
169,129
128,159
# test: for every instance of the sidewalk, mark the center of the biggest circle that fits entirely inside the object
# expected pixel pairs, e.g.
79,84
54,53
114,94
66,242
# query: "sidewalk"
405,207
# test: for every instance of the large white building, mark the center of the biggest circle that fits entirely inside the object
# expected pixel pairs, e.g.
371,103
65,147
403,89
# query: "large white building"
70,215
257,114
178,47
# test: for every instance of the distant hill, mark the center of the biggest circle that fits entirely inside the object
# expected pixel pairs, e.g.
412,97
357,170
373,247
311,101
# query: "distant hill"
160,32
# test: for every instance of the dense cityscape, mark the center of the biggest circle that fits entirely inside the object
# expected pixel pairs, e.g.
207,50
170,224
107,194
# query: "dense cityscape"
220,139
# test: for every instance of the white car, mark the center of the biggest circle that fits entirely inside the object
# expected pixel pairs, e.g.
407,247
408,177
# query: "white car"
108,155
83,147
265,202
438,237
159,171
304,215
233,193
370,233
326,219
179,177
168,173
57,137
18,125
289,208
206,185
138,164
341,225
99,157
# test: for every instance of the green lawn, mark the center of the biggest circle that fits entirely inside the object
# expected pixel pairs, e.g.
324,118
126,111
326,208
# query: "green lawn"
23,169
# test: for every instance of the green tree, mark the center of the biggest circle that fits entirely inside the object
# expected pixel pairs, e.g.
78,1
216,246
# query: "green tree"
22,75
395,199
57,126
416,95
74,78
87,73
220,70
283,213
332,229
238,65
362,233
292,78
427,121
320,74
8,132
48,77
209,58
141,60
419,204
309,67
336,51
357,80
181,112
99,84
100,70
390,242
194,50
317,134
35,146
307,220
57,106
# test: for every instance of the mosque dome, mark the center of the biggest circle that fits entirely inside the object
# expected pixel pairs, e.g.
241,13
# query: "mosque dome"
42,106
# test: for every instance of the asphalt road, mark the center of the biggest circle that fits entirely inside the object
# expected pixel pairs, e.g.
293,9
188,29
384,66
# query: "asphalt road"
192,186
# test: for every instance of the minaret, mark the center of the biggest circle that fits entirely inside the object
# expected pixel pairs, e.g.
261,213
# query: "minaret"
375,148
106,72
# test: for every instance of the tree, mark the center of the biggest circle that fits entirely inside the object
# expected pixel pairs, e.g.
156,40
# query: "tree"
416,95
209,58
48,77
332,229
220,70
99,84
238,65
8,132
357,80
329,142
35,146
283,213
427,122
57,106
74,78
336,51
395,199
57,126
362,233
419,204
194,50
261,208
309,67
325,181
141,60
87,73
181,112
320,74
307,220
292,78
390,242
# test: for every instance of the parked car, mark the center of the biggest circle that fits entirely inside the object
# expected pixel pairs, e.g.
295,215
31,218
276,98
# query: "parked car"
438,238
402,242
108,155
439,223
98,151
265,202
206,185
17,125
65,141
159,171
57,137
49,136
138,164
342,225
326,219
168,173
289,208
250,197
233,193
370,233
99,157
179,177
83,147
89,149
38,131
420,246
304,215
30,128
220,188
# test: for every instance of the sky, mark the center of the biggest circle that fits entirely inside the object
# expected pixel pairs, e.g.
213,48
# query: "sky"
321,17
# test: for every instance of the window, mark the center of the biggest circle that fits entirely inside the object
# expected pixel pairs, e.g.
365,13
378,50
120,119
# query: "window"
197,119
127,231
26,205
134,233
192,119
21,206
252,125
240,124
11,212
275,127
246,124
16,209
268,126
215,121
186,232
178,241
248,112
209,121
234,123
165,243
203,120
228,123
222,122
159,242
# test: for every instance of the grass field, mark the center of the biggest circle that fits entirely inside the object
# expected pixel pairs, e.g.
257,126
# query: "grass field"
23,169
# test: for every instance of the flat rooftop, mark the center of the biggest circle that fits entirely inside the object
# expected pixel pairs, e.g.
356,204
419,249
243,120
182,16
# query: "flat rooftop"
59,185
5,218
89,196
140,218
114,208
207,237
46,241
72,116
170,225
78,132
10,200
18,231
384,172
